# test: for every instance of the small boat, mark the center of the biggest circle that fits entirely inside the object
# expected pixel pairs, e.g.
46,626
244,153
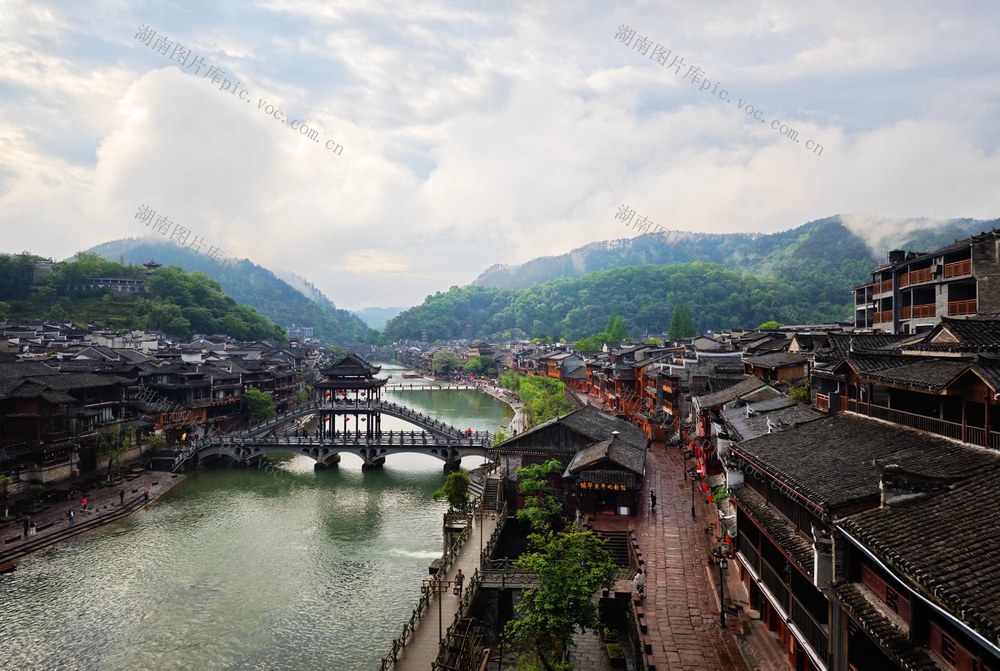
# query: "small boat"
410,376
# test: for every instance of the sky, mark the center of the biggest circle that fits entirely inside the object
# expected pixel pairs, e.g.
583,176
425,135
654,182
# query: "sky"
444,137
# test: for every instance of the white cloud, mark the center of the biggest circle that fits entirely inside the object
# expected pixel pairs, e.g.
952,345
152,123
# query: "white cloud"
476,136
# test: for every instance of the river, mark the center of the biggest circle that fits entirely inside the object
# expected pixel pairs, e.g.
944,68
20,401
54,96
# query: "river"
245,569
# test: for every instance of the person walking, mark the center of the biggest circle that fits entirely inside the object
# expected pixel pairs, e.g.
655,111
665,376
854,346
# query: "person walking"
121,497
71,516
83,504
459,581
32,529
145,493
26,526
640,584
652,501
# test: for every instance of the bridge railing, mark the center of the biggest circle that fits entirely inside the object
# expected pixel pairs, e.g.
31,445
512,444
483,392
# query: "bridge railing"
486,553
448,642
399,642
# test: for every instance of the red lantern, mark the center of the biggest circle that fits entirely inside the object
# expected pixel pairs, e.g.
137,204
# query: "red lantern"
709,499
704,486
328,393
729,541
326,419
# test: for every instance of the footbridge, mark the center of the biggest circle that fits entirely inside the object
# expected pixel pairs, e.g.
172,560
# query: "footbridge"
327,449
357,408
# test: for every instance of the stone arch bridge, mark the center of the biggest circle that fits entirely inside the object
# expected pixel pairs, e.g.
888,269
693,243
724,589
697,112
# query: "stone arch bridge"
436,439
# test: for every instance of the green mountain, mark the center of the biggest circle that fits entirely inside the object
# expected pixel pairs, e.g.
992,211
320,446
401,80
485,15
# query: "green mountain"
377,318
172,301
729,280
824,240
249,284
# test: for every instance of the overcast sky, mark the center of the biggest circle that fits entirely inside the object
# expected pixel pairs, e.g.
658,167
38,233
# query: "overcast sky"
473,133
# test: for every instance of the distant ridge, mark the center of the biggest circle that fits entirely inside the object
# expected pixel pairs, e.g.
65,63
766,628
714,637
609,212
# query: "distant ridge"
752,252
250,284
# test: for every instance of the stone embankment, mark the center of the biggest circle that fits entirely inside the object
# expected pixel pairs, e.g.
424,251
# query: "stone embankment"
104,505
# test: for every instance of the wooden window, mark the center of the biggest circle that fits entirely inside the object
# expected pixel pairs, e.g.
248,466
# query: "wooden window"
891,600
948,649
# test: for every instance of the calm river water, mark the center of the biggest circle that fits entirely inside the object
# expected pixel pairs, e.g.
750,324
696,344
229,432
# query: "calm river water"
241,569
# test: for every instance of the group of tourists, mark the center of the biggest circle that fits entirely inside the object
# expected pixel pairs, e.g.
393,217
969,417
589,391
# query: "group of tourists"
30,529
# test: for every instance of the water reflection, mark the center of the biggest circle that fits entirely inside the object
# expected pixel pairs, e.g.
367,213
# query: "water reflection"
242,569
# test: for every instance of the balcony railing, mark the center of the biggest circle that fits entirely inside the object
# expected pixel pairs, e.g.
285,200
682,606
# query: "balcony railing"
882,287
823,402
956,308
775,583
746,548
882,317
814,631
958,268
918,311
931,424
923,275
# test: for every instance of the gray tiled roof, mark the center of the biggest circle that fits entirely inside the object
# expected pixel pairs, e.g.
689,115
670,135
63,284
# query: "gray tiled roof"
615,450
943,545
780,410
776,360
747,385
889,635
834,461
931,374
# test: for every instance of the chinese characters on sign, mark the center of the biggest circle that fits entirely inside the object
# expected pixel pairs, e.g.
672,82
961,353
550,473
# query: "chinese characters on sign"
602,485
667,58
187,60
161,224
642,224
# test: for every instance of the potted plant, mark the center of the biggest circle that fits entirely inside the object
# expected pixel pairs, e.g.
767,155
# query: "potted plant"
615,655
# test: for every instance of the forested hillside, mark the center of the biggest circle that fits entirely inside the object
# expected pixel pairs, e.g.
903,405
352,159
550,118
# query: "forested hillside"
843,256
249,284
644,296
174,302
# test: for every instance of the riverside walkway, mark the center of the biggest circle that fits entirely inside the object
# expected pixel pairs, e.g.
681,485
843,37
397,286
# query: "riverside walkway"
423,643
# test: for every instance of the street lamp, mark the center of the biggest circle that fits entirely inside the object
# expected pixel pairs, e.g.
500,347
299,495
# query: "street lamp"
436,587
692,495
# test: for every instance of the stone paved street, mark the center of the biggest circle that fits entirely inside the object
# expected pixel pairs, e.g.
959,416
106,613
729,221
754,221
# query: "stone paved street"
681,606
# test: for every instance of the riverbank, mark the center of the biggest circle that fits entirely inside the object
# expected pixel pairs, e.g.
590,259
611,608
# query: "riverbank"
517,424
104,505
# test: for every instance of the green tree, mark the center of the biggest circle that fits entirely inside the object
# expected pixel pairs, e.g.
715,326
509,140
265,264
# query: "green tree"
113,444
615,330
799,393
455,490
154,442
258,405
769,326
4,309
481,366
445,361
572,568
541,510
499,436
